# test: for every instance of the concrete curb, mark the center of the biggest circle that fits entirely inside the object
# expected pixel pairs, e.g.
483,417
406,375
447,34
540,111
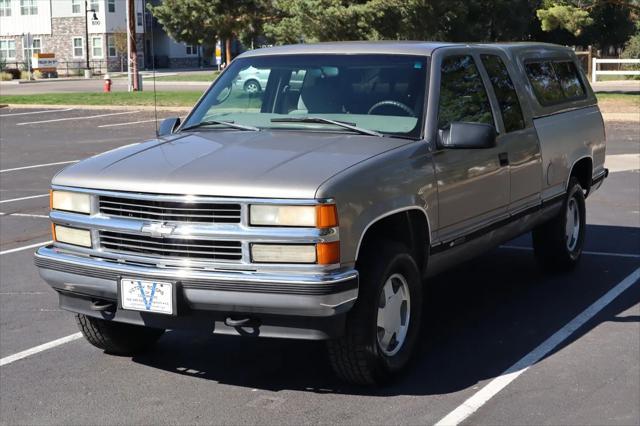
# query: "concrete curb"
103,107
55,80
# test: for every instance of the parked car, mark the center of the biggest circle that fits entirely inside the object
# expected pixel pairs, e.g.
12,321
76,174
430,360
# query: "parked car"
252,80
320,209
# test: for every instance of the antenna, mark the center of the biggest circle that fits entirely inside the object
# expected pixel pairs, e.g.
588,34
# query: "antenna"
153,68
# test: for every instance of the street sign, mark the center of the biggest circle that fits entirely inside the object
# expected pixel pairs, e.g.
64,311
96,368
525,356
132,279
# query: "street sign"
218,53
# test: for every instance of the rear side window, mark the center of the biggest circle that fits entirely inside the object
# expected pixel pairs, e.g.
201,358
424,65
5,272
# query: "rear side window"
555,82
505,92
462,94
569,81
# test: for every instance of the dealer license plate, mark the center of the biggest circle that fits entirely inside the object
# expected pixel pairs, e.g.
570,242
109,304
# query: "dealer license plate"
147,296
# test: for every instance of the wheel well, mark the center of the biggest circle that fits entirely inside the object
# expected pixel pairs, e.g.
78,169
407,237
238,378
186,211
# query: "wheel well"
582,170
252,80
409,227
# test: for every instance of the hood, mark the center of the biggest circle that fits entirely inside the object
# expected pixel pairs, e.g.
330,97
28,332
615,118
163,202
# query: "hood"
225,163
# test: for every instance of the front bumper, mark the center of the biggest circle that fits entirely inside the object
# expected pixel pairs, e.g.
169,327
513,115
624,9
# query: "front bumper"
300,305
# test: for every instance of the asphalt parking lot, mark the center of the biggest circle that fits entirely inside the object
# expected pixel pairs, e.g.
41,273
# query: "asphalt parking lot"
481,320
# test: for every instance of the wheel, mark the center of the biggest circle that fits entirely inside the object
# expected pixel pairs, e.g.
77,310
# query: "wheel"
383,326
252,86
115,337
558,243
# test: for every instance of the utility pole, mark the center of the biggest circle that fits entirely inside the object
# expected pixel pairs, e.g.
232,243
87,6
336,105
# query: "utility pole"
132,51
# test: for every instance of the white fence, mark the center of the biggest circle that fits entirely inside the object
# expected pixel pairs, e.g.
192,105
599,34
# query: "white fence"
595,72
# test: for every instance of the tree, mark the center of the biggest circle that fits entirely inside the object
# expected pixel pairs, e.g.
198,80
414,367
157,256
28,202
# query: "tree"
202,22
454,20
565,16
120,42
599,22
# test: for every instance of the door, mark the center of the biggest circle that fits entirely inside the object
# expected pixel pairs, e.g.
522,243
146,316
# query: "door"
473,184
517,135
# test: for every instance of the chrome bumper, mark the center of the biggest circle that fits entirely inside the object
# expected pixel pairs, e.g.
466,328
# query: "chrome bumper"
324,295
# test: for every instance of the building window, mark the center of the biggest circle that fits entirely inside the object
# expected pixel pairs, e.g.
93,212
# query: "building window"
111,46
139,19
192,49
7,49
36,47
28,7
95,5
76,6
111,5
96,47
5,7
78,47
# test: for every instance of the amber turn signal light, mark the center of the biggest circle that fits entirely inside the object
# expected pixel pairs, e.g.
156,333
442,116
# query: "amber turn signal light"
328,253
326,216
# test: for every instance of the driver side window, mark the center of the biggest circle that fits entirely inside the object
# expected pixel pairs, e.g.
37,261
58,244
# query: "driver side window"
463,96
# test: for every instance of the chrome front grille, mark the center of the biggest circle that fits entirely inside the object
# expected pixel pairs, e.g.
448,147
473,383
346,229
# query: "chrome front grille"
199,249
170,211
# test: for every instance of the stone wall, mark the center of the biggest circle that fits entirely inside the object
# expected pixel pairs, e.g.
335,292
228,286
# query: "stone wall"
60,42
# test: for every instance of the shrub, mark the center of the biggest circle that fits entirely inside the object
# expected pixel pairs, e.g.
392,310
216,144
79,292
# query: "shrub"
25,75
632,51
37,75
14,72
632,48
5,76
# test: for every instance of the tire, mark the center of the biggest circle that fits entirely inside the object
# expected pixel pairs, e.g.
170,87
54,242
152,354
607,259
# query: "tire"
115,337
366,354
252,86
558,243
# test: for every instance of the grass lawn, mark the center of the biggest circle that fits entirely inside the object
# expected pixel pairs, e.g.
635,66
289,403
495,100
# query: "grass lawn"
188,98
208,77
166,98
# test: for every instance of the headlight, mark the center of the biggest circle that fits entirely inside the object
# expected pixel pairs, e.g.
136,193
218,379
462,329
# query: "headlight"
320,216
76,202
75,236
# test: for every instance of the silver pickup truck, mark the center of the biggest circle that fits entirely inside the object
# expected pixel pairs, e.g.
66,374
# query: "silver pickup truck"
318,210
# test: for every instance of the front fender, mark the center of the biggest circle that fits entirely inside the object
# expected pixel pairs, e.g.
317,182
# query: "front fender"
395,181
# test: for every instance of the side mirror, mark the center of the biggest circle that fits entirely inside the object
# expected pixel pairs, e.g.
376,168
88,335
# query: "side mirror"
462,135
168,126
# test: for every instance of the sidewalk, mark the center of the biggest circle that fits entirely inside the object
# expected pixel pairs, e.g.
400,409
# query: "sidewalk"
622,86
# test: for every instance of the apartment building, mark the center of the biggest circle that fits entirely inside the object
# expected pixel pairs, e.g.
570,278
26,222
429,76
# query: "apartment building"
59,27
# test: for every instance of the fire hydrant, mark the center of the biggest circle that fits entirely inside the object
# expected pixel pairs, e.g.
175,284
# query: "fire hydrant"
107,84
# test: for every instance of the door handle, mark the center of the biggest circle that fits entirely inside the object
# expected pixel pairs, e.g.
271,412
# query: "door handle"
504,159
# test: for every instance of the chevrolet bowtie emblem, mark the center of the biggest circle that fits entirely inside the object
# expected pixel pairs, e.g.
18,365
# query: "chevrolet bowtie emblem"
157,229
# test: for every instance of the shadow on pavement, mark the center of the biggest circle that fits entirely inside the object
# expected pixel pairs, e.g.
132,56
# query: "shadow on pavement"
478,320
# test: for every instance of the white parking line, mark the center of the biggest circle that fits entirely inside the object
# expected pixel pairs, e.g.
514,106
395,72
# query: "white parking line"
41,216
35,112
25,247
481,397
38,165
131,122
77,118
23,198
61,341
590,253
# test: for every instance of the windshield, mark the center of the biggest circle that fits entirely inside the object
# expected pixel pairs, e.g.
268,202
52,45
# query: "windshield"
380,93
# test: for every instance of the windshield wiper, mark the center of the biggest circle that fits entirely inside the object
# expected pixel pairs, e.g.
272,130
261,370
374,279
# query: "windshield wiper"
321,120
223,123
